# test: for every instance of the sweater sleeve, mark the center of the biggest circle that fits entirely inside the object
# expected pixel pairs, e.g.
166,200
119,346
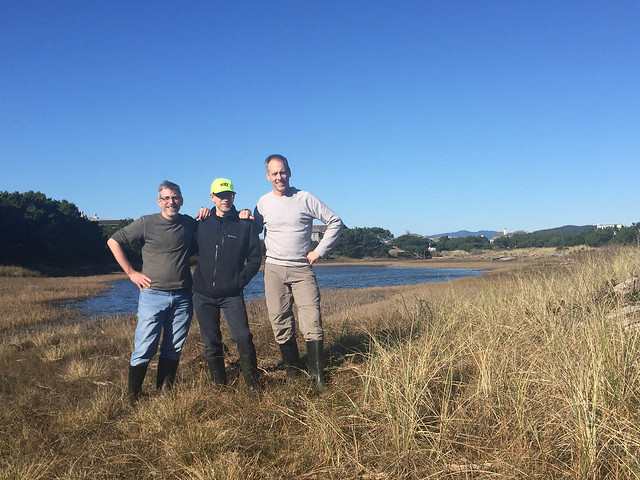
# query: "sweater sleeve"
258,219
331,220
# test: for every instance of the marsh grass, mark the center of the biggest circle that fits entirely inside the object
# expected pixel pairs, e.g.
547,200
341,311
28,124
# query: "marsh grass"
17,271
517,374
32,300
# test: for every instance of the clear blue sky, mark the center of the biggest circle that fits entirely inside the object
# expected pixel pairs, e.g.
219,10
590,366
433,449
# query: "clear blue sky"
421,116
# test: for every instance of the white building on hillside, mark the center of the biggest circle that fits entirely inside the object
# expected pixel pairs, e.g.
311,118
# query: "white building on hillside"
602,227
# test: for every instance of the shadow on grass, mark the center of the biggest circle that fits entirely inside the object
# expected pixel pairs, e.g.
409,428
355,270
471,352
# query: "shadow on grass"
358,345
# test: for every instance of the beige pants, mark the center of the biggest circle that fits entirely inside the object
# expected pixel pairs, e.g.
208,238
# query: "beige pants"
282,287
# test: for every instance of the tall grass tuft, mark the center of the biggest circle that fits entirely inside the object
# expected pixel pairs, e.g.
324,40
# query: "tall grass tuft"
525,376
17,271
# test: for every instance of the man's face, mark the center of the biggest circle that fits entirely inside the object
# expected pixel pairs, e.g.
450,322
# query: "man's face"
223,201
278,176
170,203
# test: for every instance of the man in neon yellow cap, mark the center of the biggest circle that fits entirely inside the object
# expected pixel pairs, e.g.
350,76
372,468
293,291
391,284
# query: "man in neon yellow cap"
230,256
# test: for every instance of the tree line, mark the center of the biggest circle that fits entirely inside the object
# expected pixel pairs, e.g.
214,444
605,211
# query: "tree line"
39,232
416,246
52,235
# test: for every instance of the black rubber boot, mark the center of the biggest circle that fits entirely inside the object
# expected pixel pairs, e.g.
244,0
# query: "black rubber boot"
315,364
291,358
136,378
218,372
249,366
166,374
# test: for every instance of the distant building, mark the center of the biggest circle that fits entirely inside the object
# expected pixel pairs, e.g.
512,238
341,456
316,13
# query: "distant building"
101,221
317,232
602,227
504,233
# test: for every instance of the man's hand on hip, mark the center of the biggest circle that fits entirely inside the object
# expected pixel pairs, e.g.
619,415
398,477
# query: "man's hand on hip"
140,279
312,257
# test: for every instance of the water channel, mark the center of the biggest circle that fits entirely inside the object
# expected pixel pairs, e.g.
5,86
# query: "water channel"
122,297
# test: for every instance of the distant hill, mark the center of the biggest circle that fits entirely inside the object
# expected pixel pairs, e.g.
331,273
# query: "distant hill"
466,233
492,233
570,229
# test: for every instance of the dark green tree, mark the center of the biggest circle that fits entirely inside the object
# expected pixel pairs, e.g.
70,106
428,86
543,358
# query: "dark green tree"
501,242
41,232
413,245
599,237
385,236
133,249
364,242
628,235
463,243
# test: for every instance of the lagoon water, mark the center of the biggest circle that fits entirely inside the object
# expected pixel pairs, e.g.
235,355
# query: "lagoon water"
122,298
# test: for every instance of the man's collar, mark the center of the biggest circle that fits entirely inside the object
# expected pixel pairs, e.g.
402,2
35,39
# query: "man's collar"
230,214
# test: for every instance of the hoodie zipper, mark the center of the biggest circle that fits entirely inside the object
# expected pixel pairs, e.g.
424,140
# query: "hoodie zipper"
219,243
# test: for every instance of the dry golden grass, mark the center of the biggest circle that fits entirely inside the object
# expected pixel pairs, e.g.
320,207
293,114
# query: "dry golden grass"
521,373
17,271
34,300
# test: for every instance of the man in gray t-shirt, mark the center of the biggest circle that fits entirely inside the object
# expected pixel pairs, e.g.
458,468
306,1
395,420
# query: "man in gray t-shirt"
165,305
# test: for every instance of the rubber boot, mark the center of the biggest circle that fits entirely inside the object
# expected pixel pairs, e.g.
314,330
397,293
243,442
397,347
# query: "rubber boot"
315,364
136,378
291,358
249,366
218,372
166,374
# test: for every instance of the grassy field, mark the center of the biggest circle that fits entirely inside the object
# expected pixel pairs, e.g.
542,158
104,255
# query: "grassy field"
530,371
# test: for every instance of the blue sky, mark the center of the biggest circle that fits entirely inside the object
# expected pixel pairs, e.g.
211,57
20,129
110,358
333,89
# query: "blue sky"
420,116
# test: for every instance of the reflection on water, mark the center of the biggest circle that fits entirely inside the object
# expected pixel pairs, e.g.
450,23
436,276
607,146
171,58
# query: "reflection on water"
122,298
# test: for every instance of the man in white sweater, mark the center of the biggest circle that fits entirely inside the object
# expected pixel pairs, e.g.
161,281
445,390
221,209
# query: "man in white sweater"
287,215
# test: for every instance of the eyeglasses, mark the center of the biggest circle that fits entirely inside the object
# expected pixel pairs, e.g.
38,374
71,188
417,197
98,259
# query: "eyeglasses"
174,198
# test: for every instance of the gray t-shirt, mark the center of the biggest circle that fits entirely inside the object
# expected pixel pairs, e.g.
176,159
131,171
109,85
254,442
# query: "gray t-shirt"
165,252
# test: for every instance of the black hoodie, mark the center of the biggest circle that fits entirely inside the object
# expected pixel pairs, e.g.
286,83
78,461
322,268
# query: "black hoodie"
230,255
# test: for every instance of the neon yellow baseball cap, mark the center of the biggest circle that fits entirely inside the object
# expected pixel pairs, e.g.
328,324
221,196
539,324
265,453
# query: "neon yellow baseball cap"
220,185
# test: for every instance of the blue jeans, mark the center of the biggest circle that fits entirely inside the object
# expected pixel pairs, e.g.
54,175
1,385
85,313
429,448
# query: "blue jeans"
235,313
159,312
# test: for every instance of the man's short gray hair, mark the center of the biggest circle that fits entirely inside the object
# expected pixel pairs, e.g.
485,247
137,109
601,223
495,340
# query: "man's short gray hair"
169,186
282,158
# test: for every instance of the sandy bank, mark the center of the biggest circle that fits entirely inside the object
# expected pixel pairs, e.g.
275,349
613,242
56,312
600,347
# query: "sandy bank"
480,263
489,260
